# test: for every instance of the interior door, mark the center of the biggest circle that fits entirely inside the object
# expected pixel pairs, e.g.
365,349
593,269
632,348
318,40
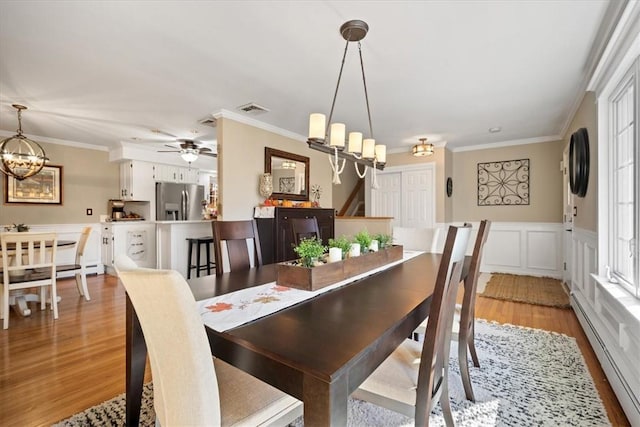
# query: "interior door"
387,199
567,218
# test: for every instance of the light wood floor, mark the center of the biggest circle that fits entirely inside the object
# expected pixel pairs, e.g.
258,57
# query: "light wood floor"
53,369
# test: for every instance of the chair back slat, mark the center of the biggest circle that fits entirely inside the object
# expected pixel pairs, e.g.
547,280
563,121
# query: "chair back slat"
435,352
304,228
234,235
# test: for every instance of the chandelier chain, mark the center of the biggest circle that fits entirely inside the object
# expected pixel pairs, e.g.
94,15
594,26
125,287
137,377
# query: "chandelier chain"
335,94
366,93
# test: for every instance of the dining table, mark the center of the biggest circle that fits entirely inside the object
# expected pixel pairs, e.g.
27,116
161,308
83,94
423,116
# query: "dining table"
19,299
319,350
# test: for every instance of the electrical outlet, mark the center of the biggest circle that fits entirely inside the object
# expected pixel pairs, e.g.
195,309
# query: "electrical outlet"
89,211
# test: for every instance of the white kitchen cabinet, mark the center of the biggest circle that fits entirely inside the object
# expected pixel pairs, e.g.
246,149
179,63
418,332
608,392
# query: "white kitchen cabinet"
137,240
171,173
137,181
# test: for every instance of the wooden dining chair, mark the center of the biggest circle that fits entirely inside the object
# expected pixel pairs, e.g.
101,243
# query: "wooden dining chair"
189,386
416,239
80,265
409,387
464,315
304,228
32,265
235,234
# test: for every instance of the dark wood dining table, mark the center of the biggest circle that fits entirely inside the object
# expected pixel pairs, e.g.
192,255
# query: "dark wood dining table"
318,351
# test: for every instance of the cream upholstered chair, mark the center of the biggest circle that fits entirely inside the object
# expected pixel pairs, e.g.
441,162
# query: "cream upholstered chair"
412,379
464,315
31,266
190,388
80,265
416,239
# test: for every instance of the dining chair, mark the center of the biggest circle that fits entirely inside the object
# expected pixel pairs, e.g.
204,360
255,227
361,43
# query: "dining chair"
235,234
31,266
414,377
304,228
464,315
189,386
80,265
416,239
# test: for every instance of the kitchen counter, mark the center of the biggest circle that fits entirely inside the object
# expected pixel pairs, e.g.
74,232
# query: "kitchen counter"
171,239
191,221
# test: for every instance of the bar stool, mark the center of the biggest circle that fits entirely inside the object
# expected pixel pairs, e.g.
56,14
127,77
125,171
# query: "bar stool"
198,242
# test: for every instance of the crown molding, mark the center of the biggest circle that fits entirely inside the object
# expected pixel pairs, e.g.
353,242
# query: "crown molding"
226,114
503,144
57,141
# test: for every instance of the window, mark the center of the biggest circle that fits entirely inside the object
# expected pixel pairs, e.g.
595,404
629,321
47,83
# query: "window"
623,161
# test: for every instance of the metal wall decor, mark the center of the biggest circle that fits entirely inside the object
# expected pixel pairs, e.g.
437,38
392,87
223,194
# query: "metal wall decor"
504,183
579,162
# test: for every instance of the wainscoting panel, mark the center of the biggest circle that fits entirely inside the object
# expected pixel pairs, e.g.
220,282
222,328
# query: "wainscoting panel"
528,248
93,250
605,312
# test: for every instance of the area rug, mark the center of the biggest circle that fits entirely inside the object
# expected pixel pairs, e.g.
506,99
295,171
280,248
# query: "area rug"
526,377
528,289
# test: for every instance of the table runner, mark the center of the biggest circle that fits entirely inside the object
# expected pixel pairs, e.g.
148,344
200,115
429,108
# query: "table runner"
231,310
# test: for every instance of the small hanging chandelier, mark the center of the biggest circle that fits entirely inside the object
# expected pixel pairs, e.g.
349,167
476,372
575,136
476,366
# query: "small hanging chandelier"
361,151
189,154
21,157
422,149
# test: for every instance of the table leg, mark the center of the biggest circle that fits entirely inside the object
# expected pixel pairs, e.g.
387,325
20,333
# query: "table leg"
325,404
136,362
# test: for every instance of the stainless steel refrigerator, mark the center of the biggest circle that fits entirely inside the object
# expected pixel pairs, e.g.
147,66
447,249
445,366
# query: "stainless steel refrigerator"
178,202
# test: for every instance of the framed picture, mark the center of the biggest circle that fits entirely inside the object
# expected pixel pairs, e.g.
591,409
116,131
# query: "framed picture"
45,187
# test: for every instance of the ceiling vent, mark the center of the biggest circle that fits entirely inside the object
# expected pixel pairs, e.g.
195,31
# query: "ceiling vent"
209,121
253,108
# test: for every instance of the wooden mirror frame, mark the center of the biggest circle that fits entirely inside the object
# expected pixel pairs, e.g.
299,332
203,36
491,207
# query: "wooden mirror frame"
272,152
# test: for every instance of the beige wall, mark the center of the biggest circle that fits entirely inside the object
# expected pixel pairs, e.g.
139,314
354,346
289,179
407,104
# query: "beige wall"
89,180
241,161
349,180
545,184
587,206
448,172
438,158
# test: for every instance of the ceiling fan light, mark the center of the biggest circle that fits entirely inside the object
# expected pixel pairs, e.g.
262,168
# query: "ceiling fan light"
189,155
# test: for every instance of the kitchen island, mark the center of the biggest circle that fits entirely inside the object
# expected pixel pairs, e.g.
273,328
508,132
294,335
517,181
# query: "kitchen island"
172,245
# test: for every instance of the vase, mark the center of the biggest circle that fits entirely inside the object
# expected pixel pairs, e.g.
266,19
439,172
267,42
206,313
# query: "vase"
266,185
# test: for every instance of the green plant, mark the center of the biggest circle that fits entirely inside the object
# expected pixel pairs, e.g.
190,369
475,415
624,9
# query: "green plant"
384,240
342,243
309,250
364,238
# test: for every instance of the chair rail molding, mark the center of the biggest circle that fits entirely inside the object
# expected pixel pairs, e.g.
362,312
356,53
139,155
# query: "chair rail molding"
527,248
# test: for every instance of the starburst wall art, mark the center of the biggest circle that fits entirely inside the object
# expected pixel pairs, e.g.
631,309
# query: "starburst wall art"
503,183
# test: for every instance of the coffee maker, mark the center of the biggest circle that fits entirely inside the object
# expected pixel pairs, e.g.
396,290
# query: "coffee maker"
116,207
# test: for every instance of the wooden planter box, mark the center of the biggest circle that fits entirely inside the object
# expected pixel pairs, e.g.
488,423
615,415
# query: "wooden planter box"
312,279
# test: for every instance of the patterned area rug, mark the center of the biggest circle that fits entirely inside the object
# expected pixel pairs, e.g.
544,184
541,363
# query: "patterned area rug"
528,289
527,377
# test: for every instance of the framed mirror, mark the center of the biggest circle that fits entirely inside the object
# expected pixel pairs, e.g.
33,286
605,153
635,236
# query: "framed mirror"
290,174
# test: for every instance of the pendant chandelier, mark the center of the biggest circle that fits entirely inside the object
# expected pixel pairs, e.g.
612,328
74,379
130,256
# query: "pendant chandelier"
422,149
21,157
189,154
360,151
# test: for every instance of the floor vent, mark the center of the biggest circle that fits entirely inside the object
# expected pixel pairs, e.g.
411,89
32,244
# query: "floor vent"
253,108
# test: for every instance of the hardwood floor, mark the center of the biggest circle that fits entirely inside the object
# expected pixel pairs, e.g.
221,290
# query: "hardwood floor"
53,369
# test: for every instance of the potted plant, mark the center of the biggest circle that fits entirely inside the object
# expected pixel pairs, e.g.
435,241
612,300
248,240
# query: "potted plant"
341,243
384,240
364,239
21,227
310,251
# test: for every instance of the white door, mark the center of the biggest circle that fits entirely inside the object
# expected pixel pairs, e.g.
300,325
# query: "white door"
407,194
567,218
387,199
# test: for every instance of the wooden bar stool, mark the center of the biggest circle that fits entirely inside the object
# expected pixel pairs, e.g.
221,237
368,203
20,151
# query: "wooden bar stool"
198,242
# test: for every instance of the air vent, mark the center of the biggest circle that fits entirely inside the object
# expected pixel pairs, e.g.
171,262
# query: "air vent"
209,121
252,108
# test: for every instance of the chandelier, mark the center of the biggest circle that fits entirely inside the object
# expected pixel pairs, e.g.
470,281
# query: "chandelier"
422,149
288,164
189,154
361,151
21,157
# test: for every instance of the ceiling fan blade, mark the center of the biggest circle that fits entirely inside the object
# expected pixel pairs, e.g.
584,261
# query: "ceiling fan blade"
209,154
171,146
204,149
168,151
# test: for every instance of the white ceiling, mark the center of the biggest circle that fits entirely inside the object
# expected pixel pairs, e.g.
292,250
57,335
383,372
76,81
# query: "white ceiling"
104,72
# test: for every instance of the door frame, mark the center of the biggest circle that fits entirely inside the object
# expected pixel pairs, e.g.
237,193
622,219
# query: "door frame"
431,166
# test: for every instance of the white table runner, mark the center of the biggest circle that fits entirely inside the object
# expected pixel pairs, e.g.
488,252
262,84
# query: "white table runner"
228,311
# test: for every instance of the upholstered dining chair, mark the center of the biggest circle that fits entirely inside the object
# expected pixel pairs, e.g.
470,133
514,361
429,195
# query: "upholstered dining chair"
80,265
416,239
413,379
189,386
32,265
304,228
235,235
464,315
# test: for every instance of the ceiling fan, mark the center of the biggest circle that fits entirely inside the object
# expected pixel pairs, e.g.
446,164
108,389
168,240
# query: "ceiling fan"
189,150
